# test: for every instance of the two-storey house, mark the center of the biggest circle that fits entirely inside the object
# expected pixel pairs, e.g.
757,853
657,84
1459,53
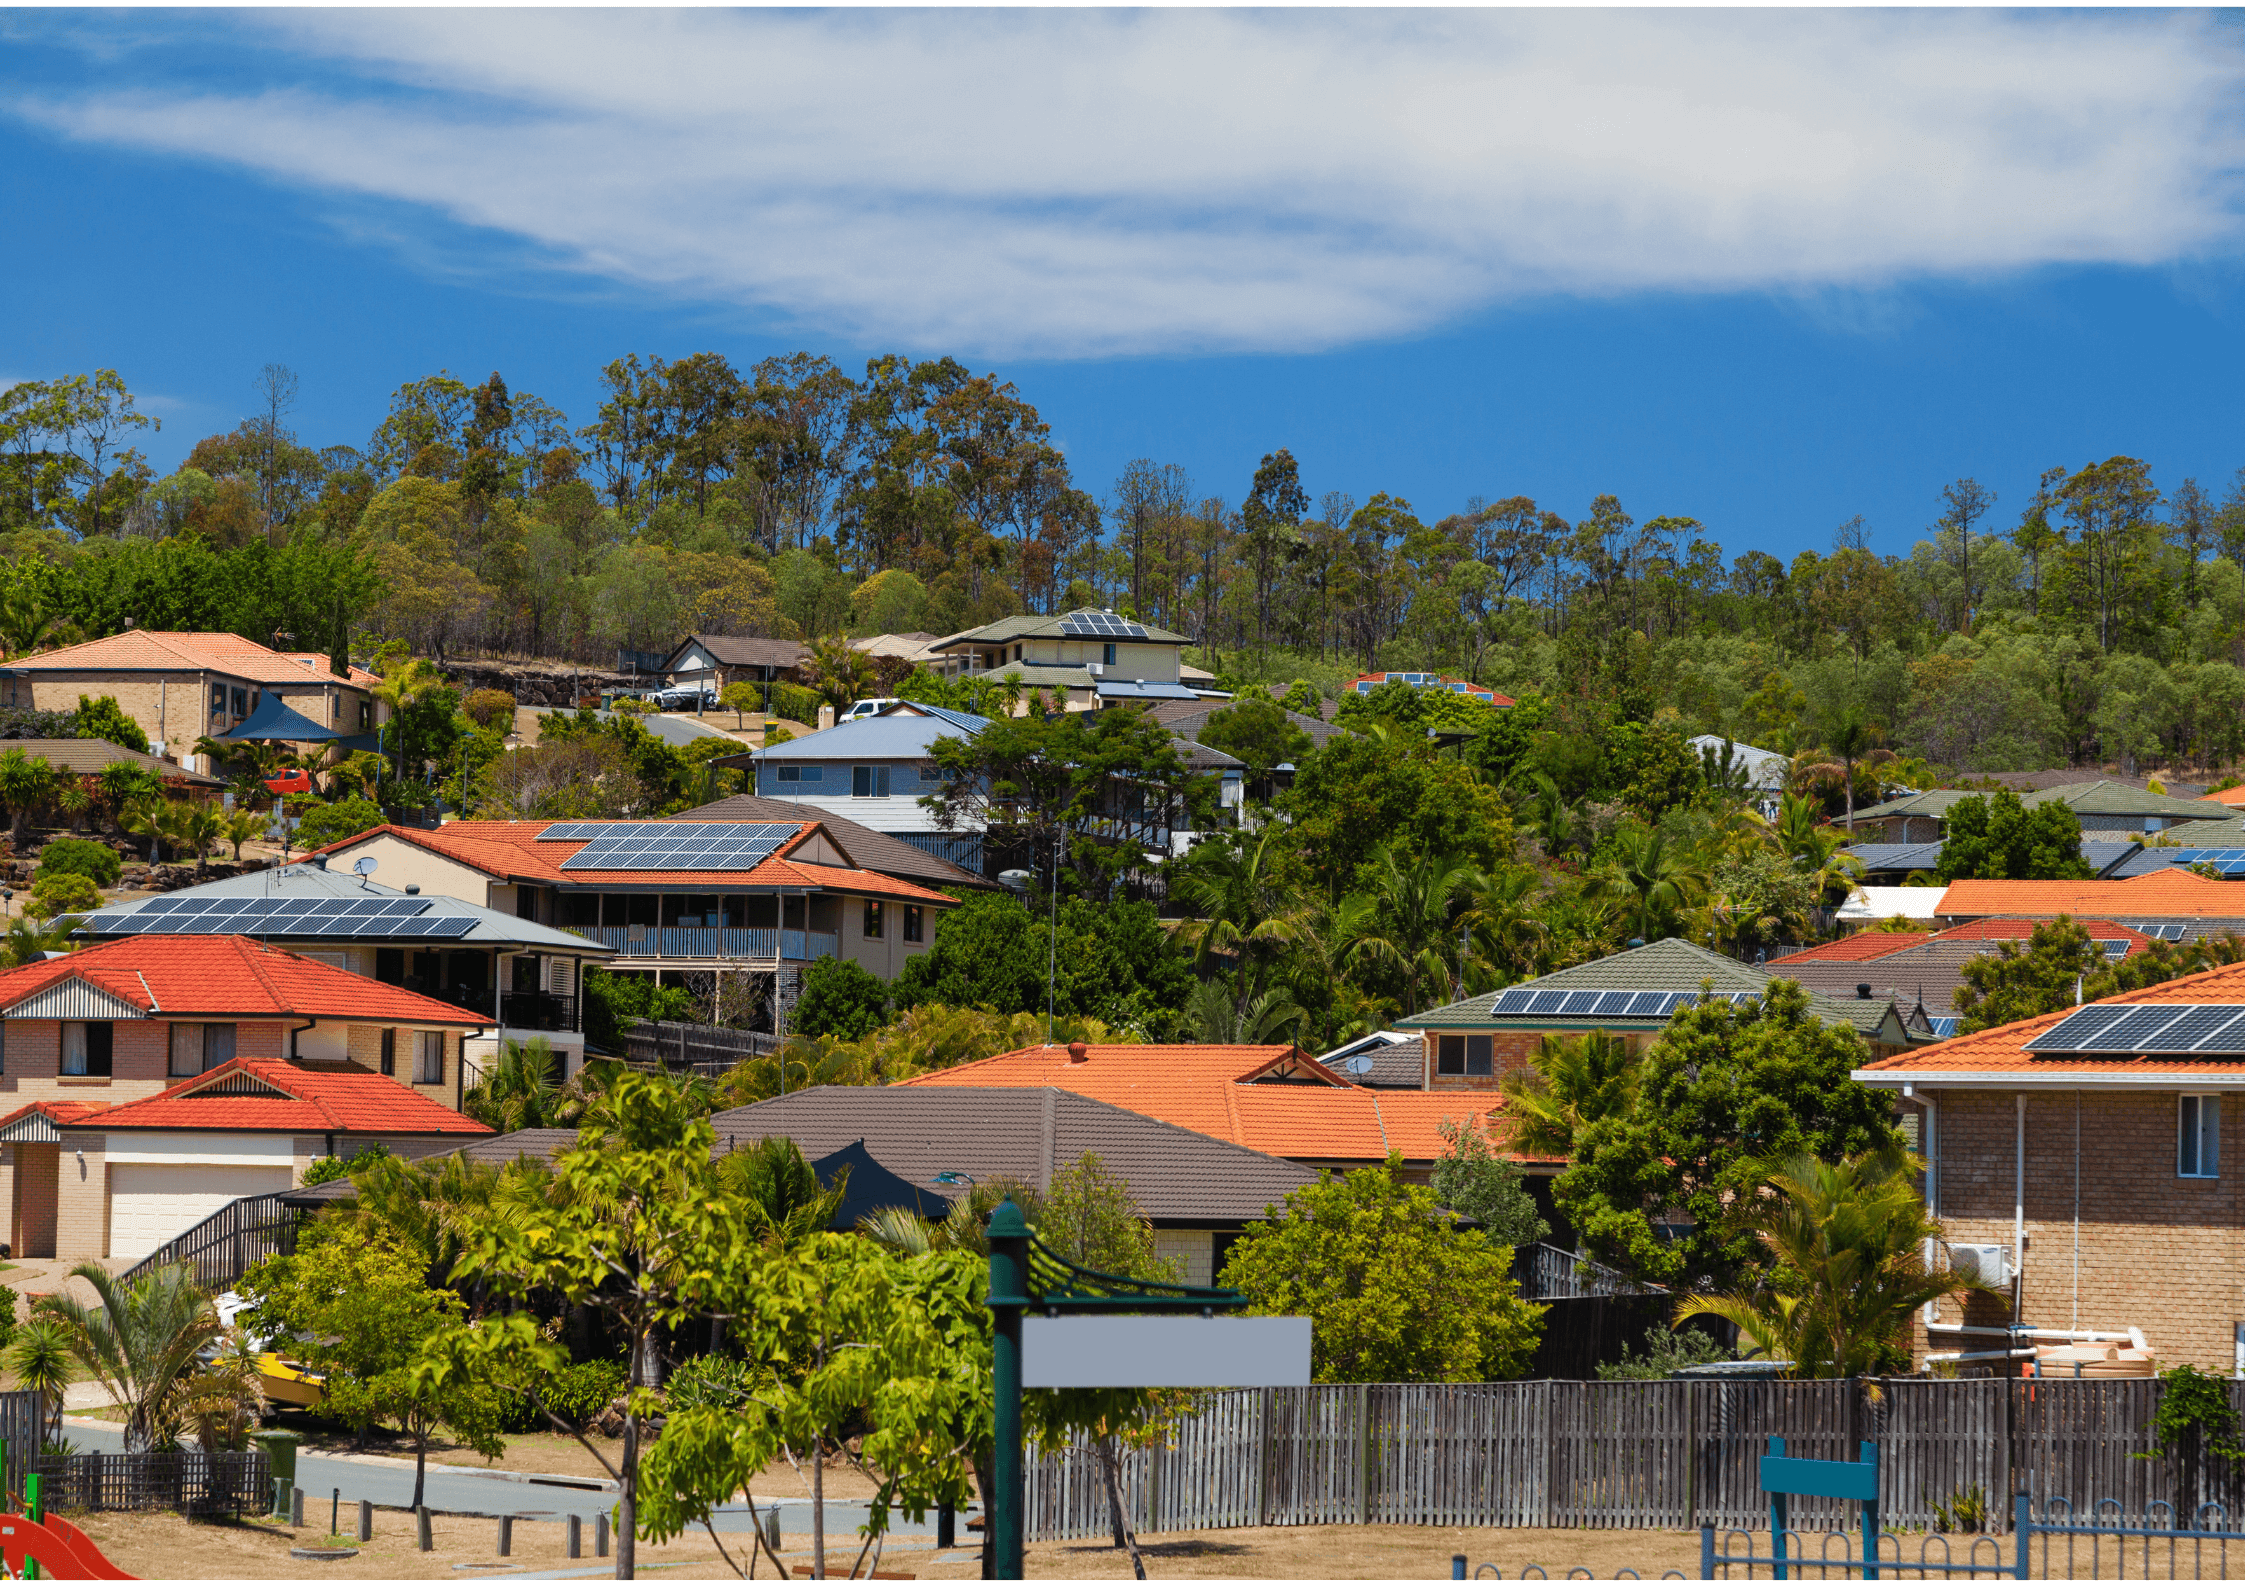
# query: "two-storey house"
1093,658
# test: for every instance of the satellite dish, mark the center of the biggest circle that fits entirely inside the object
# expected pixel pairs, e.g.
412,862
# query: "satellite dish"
1361,1064
1017,880
364,865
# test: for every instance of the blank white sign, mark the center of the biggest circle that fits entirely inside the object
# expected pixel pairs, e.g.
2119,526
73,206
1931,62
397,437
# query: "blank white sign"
1165,1352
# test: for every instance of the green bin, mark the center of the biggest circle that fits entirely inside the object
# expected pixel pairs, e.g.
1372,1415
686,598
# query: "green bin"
279,1445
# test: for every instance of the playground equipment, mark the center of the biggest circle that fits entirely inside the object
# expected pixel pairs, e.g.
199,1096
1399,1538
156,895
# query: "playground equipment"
36,1546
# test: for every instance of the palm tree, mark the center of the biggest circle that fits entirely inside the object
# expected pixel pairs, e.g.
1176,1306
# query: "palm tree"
1653,882
1576,1081
74,801
1215,1016
123,785
1232,887
1501,912
140,1341
39,1356
782,1190
1847,1240
839,674
222,1403
27,783
26,621
518,1092
1851,739
399,690
241,826
198,825
1413,924
28,941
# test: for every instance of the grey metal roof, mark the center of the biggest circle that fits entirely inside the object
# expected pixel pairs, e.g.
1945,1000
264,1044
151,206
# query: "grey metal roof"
2099,798
1028,1133
892,735
1670,965
2104,859
873,851
1128,689
302,879
1035,627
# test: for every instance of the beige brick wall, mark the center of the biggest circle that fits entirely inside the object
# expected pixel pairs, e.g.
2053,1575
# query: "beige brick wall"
31,1207
160,703
1193,1249
82,1200
2115,1238
139,1053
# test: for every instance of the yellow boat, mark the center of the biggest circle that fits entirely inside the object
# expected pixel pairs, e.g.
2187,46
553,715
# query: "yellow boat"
289,1382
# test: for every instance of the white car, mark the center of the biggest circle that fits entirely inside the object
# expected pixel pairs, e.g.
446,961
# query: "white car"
869,708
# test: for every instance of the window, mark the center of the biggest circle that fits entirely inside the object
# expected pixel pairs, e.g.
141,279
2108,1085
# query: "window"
428,1057
1463,1055
217,698
869,782
875,927
912,926
86,1046
241,702
1017,652
2198,1138
1108,656
196,1048
390,1052
802,774
366,715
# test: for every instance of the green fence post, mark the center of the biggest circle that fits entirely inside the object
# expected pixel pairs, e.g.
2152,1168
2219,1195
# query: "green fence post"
36,1510
1009,1298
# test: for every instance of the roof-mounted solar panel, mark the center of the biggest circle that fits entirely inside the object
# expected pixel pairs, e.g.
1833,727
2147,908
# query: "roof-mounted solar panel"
1514,1002
1615,1002
1547,1002
1647,1004
1580,1002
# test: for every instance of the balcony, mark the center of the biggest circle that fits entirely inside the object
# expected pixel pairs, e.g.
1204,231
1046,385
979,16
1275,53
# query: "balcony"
537,1011
761,943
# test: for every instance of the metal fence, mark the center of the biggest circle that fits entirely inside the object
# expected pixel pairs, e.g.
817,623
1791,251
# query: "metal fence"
707,1048
226,1244
189,1481
750,944
1545,1272
1667,1454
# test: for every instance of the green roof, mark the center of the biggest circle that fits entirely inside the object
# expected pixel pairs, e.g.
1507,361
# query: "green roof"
1032,626
1670,965
2100,798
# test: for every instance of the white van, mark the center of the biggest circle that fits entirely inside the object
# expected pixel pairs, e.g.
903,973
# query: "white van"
869,708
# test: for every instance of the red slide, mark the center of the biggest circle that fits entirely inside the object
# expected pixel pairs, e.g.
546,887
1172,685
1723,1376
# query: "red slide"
64,1553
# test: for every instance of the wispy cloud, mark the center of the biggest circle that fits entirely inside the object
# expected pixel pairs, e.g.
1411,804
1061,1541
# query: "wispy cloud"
1081,183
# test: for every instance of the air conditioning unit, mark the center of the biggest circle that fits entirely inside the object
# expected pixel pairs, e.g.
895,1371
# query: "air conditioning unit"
1098,669
1990,1264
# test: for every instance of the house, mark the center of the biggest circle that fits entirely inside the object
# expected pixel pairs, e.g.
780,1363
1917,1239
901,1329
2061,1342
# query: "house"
872,771
181,686
1093,658
1868,906
906,650
521,976
711,661
1918,970
1472,1045
2218,845
1386,1060
2178,905
1767,771
88,758
1276,1100
2096,1154
177,1073
907,856
1892,864
923,1147
1365,683
674,898
2103,807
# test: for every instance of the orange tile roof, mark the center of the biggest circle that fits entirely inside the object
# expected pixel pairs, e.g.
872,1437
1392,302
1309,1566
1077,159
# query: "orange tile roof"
1272,1099
2166,893
513,848
1859,947
300,1100
57,1111
236,976
2227,796
2002,1050
141,649
2012,928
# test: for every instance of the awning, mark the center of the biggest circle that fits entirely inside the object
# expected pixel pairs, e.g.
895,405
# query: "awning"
1123,689
275,720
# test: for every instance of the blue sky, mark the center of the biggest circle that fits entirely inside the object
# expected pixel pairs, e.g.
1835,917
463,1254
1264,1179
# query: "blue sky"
1766,269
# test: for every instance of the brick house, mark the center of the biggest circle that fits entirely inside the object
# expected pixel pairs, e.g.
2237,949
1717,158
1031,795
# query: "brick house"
181,686
1472,1045
2177,905
1923,970
148,1065
2101,807
2100,1155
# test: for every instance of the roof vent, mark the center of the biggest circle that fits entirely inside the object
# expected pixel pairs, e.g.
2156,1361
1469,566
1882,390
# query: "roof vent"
413,889
1078,1053
318,861
1863,990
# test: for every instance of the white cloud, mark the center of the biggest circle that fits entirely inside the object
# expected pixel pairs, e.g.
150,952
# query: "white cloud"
1083,183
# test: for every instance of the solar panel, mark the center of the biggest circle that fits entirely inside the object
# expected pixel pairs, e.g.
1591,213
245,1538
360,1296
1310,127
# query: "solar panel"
2196,1025
1513,1003
1547,1002
1580,1002
1945,1025
1648,1003
2132,1033
1615,1002
1100,625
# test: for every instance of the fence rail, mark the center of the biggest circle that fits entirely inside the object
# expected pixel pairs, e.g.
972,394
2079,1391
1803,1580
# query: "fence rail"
1667,1454
224,1245
188,1481
700,1047
752,944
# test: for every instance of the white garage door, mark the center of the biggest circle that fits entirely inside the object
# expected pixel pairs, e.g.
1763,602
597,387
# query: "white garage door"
149,1203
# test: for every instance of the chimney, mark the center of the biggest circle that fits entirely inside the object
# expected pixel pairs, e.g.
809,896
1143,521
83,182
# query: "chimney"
1863,990
1078,1053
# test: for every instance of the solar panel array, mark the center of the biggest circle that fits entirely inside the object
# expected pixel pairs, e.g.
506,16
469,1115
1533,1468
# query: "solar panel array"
1944,1025
279,917
2230,862
1603,1004
1100,625
2209,1028
669,845
2160,931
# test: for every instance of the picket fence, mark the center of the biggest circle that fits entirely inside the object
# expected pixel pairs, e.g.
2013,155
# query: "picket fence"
1670,1455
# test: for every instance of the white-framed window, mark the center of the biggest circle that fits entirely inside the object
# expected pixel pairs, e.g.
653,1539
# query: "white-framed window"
196,1048
2198,1137
428,1057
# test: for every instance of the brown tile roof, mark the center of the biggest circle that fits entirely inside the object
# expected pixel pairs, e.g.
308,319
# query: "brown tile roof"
89,757
741,650
873,851
149,650
1027,1133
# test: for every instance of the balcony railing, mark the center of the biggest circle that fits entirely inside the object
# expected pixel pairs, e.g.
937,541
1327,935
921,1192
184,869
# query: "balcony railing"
538,1011
709,942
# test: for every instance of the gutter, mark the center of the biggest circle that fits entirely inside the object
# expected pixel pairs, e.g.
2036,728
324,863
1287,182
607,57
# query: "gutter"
2027,1080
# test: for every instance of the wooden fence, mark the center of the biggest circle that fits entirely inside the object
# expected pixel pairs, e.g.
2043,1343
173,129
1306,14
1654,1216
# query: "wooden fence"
1670,1454
188,1481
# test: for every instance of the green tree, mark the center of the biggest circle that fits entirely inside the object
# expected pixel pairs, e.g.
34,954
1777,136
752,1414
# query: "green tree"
28,941
1258,732
1475,1182
104,718
521,1091
1574,1082
39,1358
1843,1269
1394,1291
1405,923
332,823
64,893
1724,1089
27,785
1114,963
138,1341
1654,880
1230,883
840,998
2001,839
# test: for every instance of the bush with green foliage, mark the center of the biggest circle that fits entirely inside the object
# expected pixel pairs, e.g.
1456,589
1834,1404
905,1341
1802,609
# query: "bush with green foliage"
490,709
576,1393
1474,1182
322,1169
717,1383
840,998
2002,839
96,862
64,893
1115,962
1665,1350
796,703
332,823
1257,732
614,1001
104,718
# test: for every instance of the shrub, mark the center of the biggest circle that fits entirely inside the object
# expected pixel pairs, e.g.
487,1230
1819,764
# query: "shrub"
322,1169
488,708
580,1392
104,718
717,1383
796,703
332,823
96,862
66,893
840,998
611,1001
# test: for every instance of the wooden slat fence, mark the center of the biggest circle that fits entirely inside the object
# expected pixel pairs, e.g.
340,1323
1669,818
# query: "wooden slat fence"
23,1425
1671,1454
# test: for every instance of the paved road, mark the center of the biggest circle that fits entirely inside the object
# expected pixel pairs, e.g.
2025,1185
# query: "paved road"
471,1491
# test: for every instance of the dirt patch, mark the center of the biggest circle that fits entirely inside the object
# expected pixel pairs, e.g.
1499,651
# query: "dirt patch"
1351,1553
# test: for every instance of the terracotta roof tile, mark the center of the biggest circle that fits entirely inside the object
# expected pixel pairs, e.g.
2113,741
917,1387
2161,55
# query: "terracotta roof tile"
230,975
2163,893
144,649
310,1101
1853,949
